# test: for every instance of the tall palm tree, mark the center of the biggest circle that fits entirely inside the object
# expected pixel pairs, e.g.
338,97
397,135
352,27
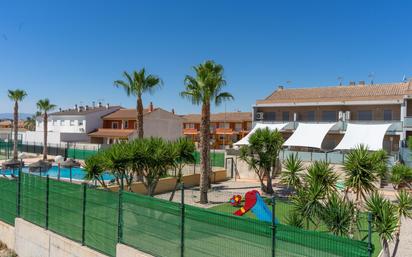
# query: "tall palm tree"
44,106
202,89
17,96
137,84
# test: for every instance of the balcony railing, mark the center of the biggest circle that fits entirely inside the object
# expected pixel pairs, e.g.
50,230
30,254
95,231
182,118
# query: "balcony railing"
407,122
397,126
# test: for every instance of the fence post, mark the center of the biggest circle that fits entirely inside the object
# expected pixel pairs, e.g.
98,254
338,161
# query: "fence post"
273,227
84,185
47,200
370,234
182,221
120,215
18,193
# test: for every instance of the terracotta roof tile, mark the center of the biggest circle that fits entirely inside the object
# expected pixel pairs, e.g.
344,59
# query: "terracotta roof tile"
125,114
340,93
221,117
116,133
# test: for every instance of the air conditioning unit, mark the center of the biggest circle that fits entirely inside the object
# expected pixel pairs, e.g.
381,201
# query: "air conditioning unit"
347,115
259,115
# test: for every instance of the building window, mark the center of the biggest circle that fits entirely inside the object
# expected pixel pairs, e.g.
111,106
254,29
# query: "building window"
125,124
364,115
329,116
81,122
115,125
311,115
190,125
238,126
269,116
226,125
249,125
72,123
285,116
387,115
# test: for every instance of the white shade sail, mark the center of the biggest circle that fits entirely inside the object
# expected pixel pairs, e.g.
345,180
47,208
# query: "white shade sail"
370,135
245,140
309,135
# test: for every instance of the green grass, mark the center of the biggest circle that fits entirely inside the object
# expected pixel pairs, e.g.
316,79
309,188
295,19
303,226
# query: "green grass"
283,209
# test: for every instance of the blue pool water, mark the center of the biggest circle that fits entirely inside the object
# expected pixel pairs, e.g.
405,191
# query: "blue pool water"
77,173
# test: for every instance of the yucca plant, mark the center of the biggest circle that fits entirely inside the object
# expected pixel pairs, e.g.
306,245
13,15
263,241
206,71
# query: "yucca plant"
401,176
322,172
337,215
293,167
94,170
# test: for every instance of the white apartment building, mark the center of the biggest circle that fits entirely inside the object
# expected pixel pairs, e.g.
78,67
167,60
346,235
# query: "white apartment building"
72,125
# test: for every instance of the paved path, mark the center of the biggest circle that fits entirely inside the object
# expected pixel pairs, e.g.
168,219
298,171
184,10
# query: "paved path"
405,244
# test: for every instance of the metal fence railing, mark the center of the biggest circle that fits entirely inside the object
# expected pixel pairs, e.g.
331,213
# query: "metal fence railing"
101,219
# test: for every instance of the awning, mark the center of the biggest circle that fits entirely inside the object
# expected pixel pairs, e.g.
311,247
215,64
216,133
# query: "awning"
370,135
225,131
309,135
112,133
245,140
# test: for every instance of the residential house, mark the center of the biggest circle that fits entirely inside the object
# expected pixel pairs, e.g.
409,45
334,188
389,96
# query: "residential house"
343,105
121,125
225,128
72,125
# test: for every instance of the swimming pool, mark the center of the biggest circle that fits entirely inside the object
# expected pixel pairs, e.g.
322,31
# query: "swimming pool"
77,173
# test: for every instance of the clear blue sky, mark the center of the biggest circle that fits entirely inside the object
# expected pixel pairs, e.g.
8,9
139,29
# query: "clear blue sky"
72,51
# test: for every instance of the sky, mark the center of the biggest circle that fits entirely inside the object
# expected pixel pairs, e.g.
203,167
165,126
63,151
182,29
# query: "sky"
72,51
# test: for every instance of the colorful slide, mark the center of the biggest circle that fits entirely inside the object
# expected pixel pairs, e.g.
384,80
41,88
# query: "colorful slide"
255,203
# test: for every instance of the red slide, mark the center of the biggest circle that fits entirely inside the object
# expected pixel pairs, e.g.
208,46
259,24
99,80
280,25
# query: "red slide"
250,201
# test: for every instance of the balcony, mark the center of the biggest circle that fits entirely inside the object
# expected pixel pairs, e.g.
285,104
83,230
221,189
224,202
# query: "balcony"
408,122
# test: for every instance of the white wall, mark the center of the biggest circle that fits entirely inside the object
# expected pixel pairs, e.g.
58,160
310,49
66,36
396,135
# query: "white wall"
54,137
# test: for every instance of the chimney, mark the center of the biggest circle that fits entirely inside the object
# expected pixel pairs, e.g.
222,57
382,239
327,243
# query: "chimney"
361,83
87,107
150,107
60,109
173,110
107,106
352,83
100,104
76,108
94,104
280,88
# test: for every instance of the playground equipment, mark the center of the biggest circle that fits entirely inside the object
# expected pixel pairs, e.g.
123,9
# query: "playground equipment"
235,200
255,203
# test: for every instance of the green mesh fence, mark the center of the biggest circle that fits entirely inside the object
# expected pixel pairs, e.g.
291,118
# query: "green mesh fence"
216,159
151,225
8,200
33,199
80,153
101,220
65,209
155,226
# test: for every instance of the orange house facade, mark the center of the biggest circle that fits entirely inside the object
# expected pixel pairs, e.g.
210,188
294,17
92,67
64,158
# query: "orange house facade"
225,128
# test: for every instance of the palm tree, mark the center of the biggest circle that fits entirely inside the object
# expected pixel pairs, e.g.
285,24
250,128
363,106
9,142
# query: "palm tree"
262,154
401,176
30,122
184,149
95,170
308,202
291,176
137,84
385,219
360,170
17,96
202,89
337,215
44,107
322,172
404,211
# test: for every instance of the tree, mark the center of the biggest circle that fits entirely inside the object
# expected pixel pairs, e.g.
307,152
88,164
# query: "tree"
360,168
403,211
291,176
44,106
308,202
322,172
401,176
385,219
262,154
95,170
381,161
30,122
337,215
202,89
116,159
184,149
137,84
16,96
